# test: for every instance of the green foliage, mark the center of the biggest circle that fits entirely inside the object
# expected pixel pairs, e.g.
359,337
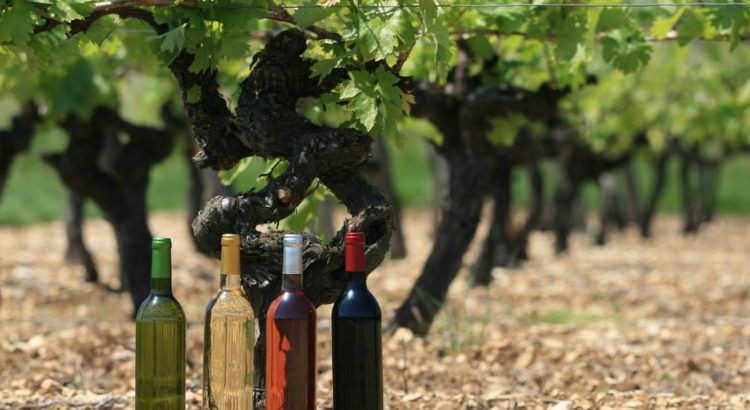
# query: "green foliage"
229,176
312,14
306,212
611,19
698,93
376,101
174,40
438,39
221,34
663,25
568,31
17,22
505,129
625,51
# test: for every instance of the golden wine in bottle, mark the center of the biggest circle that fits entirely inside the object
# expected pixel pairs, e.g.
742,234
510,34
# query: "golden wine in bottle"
160,339
229,338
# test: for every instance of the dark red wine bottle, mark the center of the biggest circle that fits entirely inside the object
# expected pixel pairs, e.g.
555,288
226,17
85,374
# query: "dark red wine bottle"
290,338
357,350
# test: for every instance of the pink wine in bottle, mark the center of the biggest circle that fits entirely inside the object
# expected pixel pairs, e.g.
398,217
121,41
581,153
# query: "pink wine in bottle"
290,338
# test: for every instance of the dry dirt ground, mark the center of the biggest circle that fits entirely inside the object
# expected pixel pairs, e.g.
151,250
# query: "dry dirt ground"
636,324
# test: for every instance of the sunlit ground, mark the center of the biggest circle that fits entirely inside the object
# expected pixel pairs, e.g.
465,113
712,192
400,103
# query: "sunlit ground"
660,323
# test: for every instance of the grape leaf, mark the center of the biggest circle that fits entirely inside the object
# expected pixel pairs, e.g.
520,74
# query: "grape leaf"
311,14
17,22
174,39
626,51
376,37
663,25
690,28
509,20
244,15
228,176
569,34
67,10
101,28
437,34
611,18
365,109
374,99
722,17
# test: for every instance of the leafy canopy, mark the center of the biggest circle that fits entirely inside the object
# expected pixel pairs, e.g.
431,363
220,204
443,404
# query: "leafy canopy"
58,53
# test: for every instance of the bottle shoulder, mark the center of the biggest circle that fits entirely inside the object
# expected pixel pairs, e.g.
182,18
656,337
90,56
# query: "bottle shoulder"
356,303
291,305
160,307
231,303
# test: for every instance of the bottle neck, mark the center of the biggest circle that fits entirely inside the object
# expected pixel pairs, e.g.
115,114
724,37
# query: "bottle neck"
161,271
355,255
161,286
356,280
291,280
230,282
291,283
292,260
230,266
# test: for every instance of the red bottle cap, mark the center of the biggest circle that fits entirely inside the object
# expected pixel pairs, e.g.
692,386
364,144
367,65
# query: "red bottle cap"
355,251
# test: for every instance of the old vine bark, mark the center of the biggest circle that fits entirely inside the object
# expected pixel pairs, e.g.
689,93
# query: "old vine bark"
98,165
462,117
266,124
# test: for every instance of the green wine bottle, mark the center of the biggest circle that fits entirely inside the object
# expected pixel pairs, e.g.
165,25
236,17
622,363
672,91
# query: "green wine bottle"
160,339
229,338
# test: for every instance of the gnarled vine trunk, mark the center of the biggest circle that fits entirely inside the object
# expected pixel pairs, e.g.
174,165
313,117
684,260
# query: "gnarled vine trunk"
463,120
496,249
578,164
204,184
708,181
16,139
77,252
646,216
506,245
698,183
690,202
378,170
266,124
98,165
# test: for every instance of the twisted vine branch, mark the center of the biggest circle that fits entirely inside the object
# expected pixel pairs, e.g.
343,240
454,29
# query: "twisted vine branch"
267,125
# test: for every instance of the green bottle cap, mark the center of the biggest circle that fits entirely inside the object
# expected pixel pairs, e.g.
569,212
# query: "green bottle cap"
161,260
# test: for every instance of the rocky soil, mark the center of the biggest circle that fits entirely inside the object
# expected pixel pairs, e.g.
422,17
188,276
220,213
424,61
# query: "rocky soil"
637,324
